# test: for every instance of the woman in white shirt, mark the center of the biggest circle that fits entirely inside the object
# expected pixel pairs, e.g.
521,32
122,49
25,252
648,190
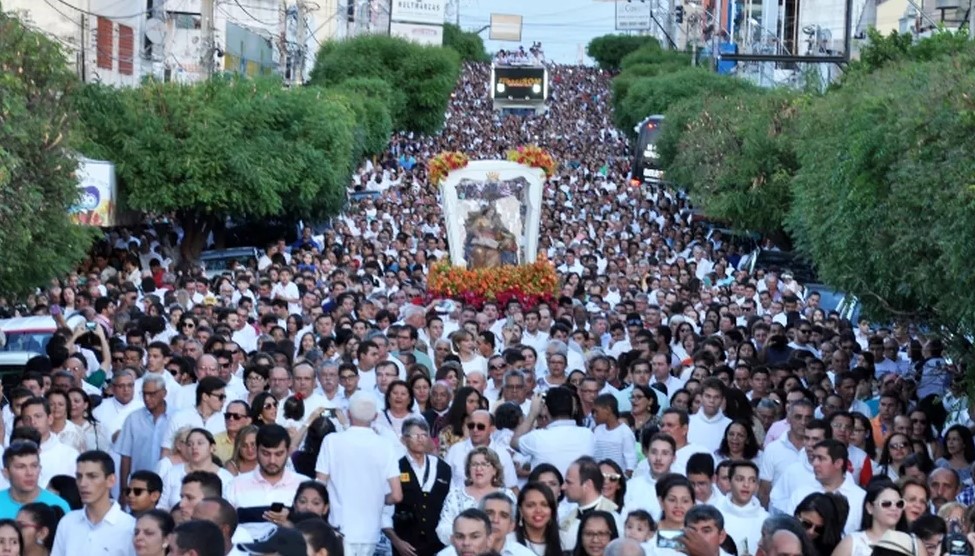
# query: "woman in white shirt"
97,436
200,447
67,432
464,346
484,474
399,404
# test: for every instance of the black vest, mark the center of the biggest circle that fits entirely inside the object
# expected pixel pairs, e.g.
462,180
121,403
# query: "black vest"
415,518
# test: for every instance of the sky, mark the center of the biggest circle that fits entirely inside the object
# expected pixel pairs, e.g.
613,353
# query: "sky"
564,27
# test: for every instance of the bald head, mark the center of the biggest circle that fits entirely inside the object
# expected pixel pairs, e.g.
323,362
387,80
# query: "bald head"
624,547
784,543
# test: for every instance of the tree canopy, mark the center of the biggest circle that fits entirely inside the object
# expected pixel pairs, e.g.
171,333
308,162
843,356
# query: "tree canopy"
229,147
467,44
37,165
420,78
609,50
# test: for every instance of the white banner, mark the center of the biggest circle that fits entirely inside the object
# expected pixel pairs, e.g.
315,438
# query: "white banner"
430,35
419,11
633,16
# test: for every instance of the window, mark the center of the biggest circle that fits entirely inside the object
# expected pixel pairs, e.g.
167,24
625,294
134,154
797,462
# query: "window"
104,43
126,49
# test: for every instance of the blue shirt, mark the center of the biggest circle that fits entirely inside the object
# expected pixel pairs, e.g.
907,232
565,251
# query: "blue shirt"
9,507
141,439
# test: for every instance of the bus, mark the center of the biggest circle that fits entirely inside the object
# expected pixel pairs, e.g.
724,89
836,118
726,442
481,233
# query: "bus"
646,160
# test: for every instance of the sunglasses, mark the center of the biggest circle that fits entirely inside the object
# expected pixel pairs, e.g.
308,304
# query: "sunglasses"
220,397
810,526
886,504
135,491
478,426
270,405
614,477
234,416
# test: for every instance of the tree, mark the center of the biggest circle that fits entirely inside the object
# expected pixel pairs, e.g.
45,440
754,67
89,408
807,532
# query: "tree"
223,148
421,78
467,44
883,198
369,99
736,156
882,51
609,50
37,165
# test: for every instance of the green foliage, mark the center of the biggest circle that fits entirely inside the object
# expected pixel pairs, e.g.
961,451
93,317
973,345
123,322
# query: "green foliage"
467,44
227,147
37,167
609,50
882,51
421,78
655,95
735,155
884,200
369,99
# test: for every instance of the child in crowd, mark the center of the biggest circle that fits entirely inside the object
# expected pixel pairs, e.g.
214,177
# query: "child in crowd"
639,526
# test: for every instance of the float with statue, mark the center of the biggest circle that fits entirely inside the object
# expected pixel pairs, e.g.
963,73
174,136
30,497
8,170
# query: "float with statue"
492,210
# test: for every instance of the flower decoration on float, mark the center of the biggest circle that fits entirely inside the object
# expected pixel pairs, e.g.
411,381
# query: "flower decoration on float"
444,163
529,284
534,156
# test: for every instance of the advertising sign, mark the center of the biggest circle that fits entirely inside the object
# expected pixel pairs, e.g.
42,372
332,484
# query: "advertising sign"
519,83
419,11
429,35
505,27
633,16
96,194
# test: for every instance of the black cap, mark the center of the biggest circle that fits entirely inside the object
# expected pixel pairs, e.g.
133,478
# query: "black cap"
284,541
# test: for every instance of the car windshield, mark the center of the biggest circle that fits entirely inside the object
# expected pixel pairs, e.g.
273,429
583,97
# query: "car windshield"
27,341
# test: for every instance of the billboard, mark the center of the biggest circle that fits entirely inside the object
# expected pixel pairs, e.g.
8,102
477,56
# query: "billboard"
505,27
419,11
633,16
519,83
96,193
429,35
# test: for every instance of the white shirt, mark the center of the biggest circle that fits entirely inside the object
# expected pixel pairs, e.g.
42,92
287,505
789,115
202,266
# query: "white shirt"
641,494
618,445
684,454
797,475
192,418
56,459
853,493
291,292
778,456
112,536
251,489
112,414
560,444
743,523
358,463
707,431
173,483
457,458
172,388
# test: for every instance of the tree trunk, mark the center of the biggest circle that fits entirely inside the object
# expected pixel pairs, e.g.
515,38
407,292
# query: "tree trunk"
196,229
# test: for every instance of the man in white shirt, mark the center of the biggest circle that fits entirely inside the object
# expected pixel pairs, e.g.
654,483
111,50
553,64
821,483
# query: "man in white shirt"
660,365
562,441
780,454
157,355
830,461
641,489
211,393
287,290
100,527
360,469
271,482
111,413
708,425
480,432
743,513
304,384
532,336
56,458
675,423
800,473
583,486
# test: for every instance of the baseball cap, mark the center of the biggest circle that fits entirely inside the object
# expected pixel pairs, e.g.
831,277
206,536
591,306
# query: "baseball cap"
285,542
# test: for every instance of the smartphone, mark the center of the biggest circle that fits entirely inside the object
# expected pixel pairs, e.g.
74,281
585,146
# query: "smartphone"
277,507
668,539
90,326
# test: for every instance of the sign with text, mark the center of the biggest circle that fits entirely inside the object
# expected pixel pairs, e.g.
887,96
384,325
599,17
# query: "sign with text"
633,16
429,35
519,83
419,11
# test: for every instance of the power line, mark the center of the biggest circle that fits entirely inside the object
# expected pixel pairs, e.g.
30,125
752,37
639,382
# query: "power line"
250,15
93,14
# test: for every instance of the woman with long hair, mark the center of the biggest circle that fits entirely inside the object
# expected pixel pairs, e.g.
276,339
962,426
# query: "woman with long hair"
897,448
399,407
921,430
614,481
596,530
465,347
306,456
200,446
675,493
538,523
959,452
96,435
264,410
452,373
11,539
883,510
244,456
862,435
644,407
256,381
823,516
548,475
38,522
483,474
739,443
449,428
152,530
61,426
420,387
917,498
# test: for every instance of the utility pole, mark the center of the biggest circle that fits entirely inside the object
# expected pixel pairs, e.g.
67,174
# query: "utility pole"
209,40
298,71
283,38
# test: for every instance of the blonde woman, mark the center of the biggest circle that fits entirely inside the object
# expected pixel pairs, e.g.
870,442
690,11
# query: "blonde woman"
483,475
179,453
244,457
465,348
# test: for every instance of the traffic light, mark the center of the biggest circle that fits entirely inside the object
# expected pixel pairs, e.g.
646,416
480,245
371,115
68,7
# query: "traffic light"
350,11
679,14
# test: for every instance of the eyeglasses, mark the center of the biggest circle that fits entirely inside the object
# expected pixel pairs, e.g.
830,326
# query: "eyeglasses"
478,426
614,477
417,436
254,378
898,445
187,325
497,367
347,377
886,504
234,416
118,359
810,526
596,535
135,491
480,464
220,397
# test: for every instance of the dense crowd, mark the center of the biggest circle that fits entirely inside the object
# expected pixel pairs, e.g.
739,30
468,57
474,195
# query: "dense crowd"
534,56
317,402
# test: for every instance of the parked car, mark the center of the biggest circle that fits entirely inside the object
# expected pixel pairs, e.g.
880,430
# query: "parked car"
218,261
24,337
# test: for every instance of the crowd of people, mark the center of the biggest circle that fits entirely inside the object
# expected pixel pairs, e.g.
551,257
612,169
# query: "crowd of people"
534,56
318,402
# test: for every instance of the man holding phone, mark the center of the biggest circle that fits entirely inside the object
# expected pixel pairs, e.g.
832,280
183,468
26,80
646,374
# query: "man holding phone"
261,495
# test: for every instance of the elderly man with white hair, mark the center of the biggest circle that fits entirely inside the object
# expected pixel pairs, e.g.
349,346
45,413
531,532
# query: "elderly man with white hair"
361,471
